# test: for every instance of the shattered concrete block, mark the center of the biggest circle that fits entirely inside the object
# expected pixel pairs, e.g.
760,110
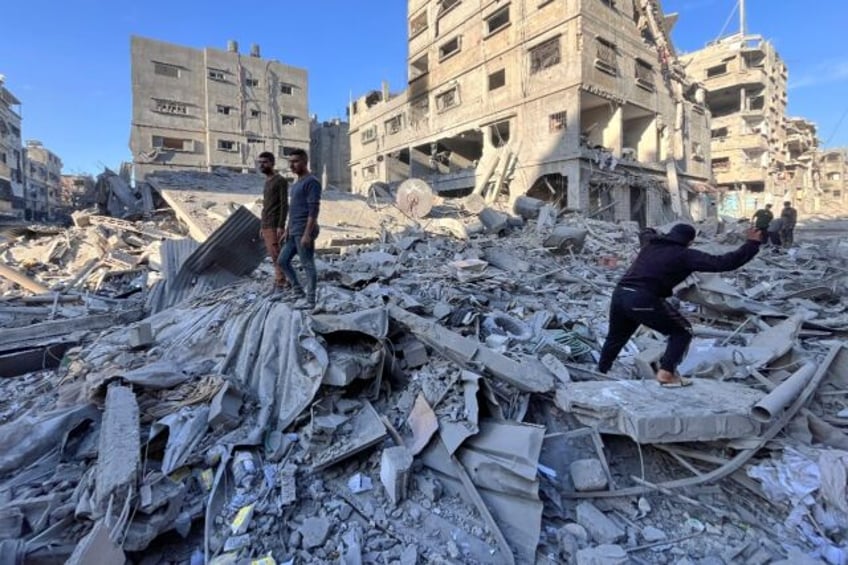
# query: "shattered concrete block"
431,488
493,221
568,545
119,447
602,529
415,354
602,555
588,474
409,555
141,335
225,406
11,523
565,238
528,207
314,532
395,465
651,534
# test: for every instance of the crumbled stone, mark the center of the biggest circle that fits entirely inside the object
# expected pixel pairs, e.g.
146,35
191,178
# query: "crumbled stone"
651,534
588,474
605,554
568,545
314,532
602,529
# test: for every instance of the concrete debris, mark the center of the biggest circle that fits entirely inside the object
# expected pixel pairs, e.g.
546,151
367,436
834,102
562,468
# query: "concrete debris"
455,359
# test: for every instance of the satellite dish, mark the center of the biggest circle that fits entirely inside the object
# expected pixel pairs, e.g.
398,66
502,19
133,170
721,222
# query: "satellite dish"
415,197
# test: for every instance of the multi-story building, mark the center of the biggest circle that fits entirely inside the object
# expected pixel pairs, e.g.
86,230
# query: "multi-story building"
201,109
833,166
329,155
78,192
43,181
11,155
579,101
745,81
799,180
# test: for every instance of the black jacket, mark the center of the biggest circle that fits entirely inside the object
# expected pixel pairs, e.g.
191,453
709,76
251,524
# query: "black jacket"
663,264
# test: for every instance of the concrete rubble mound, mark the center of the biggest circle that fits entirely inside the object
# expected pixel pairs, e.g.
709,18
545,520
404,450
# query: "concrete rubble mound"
159,405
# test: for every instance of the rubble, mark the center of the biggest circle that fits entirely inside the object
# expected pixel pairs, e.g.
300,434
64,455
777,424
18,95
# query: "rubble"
171,408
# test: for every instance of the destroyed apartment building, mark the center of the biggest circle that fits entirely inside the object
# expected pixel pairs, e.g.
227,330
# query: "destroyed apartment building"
833,166
801,175
204,109
584,103
441,405
11,153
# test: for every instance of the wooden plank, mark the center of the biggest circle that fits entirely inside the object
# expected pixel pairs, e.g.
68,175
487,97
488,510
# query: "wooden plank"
10,338
22,280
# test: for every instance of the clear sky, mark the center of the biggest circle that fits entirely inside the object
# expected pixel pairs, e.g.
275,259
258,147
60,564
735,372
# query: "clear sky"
68,61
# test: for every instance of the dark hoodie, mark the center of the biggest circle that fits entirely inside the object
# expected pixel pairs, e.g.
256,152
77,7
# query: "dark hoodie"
667,260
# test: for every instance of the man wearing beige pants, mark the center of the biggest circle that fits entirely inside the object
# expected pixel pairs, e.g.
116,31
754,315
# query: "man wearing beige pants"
275,210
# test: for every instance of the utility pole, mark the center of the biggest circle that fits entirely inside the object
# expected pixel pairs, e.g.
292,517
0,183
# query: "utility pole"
742,29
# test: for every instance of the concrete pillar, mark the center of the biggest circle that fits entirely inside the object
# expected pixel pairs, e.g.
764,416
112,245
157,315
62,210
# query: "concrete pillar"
577,195
742,100
649,143
614,133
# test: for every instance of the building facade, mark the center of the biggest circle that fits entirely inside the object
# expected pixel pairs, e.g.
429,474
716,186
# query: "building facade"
329,153
745,80
43,182
78,192
11,154
833,165
578,101
198,109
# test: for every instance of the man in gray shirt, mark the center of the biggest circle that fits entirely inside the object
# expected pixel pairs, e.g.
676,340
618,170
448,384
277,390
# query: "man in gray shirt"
301,230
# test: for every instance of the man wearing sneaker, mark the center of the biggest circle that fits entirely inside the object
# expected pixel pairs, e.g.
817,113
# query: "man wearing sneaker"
302,229
640,296
275,207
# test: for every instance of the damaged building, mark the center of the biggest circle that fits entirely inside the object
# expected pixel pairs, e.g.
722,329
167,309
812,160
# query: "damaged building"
199,109
11,156
745,80
329,153
834,168
583,103
43,181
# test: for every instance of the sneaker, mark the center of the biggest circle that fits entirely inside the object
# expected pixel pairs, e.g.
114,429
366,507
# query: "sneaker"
305,304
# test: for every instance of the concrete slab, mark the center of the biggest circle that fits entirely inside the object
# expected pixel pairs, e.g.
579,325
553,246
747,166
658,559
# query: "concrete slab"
118,456
648,413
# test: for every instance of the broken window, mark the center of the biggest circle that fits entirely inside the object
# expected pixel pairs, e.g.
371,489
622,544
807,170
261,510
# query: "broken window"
223,109
255,113
500,133
227,145
419,109
417,24
606,56
170,107
285,151
644,75
721,165
608,3
834,176
217,74
450,47
719,133
3,158
445,5
544,55
447,99
172,143
717,70
557,121
288,120
166,70
255,140
251,82
394,125
498,20
497,79
286,89
419,66
369,134
369,172
697,151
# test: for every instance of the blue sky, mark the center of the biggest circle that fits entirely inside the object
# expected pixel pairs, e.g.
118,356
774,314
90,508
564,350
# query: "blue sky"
68,61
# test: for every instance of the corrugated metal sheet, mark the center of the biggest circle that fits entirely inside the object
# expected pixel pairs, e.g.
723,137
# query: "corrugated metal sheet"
232,251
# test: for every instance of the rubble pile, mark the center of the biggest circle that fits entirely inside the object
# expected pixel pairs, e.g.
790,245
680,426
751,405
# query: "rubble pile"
439,406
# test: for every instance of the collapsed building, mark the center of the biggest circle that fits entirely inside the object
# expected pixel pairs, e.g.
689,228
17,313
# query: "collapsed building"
583,103
11,156
801,175
834,175
202,109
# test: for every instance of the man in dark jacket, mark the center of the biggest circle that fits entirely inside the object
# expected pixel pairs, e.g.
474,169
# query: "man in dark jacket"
762,218
789,215
639,297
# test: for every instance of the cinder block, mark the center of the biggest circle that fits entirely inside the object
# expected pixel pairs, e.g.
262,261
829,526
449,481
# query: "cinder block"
141,335
225,407
395,466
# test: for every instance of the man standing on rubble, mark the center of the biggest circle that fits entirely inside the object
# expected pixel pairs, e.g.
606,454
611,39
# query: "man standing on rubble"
302,229
789,215
275,209
640,296
762,218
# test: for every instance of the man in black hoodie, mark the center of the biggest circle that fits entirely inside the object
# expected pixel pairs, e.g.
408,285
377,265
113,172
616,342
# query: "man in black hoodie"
640,296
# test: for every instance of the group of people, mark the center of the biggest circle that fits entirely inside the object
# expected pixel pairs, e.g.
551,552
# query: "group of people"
779,231
289,226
